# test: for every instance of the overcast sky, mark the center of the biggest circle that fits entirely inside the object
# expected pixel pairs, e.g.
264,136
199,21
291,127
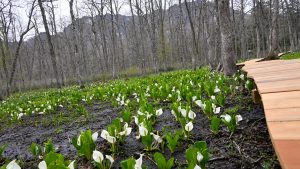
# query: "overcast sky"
62,12
62,9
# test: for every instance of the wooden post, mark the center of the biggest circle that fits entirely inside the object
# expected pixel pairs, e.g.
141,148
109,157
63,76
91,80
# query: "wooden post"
256,96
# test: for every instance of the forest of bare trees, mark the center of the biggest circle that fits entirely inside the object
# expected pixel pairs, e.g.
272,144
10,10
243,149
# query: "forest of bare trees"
158,35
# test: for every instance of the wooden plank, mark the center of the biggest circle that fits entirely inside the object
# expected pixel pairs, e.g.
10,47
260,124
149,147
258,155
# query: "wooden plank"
278,82
273,63
281,100
270,65
252,61
279,115
267,72
278,78
271,71
278,86
289,130
288,153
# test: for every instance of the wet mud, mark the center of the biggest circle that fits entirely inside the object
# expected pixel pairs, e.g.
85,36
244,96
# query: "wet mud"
249,147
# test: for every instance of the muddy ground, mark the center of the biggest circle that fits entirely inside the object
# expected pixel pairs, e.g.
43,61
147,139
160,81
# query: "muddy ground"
249,147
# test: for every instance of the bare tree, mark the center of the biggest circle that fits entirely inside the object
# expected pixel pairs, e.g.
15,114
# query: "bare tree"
274,29
50,44
257,28
195,43
113,37
228,57
5,25
76,50
16,56
156,35
161,8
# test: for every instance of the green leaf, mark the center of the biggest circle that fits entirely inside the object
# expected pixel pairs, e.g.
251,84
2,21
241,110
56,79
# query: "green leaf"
202,147
172,141
126,115
36,150
192,151
2,148
249,84
220,98
215,124
160,160
87,145
208,108
55,161
128,164
191,155
74,143
147,141
49,147
170,163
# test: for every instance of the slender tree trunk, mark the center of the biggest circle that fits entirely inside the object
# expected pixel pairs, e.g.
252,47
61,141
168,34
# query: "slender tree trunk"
76,50
195,43
3,58
243,32
58,45
162,34
257,28
122,64
274,29
52,53
17,53
96,46
208,36
234,30
218,41
141,38
113,36
134,33
291,26
153,37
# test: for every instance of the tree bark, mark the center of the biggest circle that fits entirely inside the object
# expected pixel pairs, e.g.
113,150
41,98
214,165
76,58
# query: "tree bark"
195,44
76,50
274,30
17,53
51,47
227,47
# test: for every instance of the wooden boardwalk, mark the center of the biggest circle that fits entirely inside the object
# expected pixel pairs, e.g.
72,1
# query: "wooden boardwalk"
278,83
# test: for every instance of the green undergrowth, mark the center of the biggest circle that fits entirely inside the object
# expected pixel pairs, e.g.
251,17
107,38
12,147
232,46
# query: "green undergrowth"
289,56
141,100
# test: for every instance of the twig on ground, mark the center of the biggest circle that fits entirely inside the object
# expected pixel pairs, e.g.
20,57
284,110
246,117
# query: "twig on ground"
237,147
150,159
218,158
257,121
230,135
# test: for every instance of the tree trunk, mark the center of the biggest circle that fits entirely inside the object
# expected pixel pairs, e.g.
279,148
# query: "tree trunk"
257,28
274,30
76,50
195,44
52,53
113,36
227,47
243,32
17,53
